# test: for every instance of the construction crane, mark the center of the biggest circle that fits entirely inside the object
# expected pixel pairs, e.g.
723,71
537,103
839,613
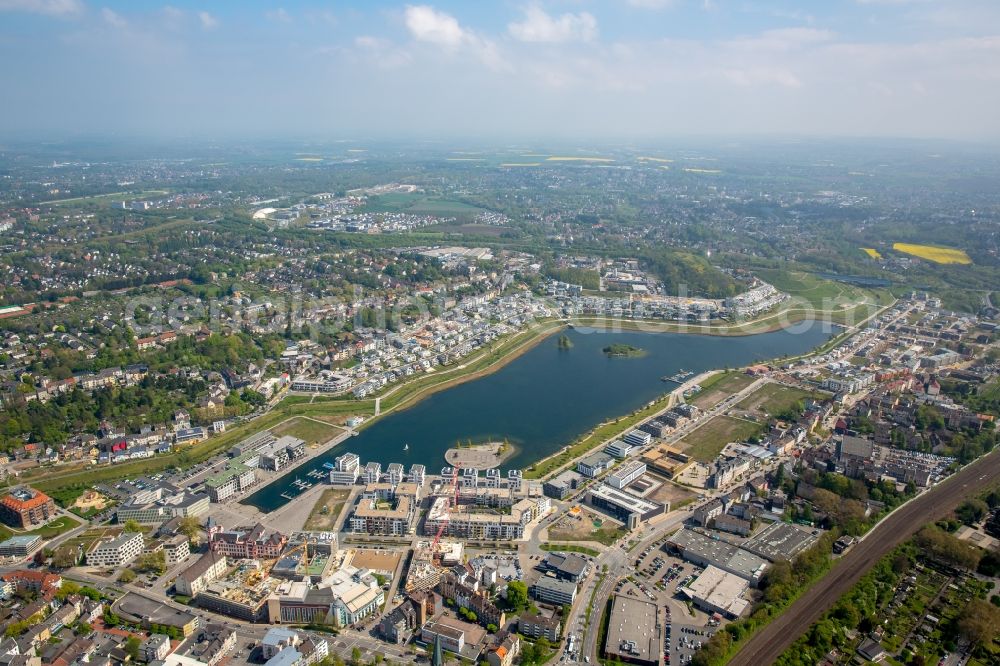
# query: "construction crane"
447,518
304,547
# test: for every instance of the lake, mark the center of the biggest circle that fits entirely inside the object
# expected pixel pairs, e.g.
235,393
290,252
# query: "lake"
547,397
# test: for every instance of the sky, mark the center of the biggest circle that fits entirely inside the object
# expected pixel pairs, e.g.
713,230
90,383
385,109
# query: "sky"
567,69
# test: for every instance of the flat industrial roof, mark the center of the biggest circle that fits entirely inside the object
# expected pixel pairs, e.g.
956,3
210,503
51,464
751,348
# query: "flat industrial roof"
633,630
719,589
782,541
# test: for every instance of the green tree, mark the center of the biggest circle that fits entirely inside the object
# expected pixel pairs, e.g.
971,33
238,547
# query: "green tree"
127,576
190,527
517,595
132,647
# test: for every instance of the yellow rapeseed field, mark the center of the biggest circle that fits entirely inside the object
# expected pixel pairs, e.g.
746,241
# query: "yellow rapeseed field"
939,255
872,252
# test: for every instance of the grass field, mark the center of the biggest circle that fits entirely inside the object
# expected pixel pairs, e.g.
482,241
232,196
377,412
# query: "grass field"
327,509
939,255
91,536
773,398
719,387
872,252
54,528
566,548
705,443
312,432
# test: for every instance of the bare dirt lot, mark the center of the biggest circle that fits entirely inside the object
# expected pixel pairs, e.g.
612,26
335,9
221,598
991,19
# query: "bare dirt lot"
670,492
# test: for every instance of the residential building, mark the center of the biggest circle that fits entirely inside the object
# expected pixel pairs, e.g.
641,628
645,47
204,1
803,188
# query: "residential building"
26,508
553,590
625,474
154,648
210,644
346,469
116,551
563,485
536,626
40,582
619,449
252,543
638,438
209,567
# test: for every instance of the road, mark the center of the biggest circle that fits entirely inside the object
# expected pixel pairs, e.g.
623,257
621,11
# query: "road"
768,644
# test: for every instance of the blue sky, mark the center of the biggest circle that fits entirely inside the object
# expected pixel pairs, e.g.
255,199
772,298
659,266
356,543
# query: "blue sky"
629,69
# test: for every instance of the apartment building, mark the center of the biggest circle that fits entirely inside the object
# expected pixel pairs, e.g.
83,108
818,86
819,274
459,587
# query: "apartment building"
117,551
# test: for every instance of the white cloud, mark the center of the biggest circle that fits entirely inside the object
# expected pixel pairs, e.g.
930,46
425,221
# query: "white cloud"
114,19
431,26
538,26
278,15
208,22
46,7
426,24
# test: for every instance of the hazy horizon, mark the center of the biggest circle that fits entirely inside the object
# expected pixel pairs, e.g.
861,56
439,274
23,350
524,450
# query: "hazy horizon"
558,71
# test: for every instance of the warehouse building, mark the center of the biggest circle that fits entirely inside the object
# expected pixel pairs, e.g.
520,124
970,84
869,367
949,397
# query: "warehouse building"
705,551
782,541
718,591
633,632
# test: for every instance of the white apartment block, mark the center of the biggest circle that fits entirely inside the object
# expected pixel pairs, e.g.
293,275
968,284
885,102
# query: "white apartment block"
117,551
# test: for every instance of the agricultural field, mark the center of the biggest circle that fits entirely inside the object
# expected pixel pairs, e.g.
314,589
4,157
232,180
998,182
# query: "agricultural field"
705,443
872,252
312,432
773,399
719,387
938,255
325,513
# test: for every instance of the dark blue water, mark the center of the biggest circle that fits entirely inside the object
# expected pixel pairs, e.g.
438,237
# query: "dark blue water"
547,397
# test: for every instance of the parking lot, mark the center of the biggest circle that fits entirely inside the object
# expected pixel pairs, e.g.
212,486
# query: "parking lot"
656,577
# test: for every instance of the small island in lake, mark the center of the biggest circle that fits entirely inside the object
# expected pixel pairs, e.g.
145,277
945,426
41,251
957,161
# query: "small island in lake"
564,342
620,350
